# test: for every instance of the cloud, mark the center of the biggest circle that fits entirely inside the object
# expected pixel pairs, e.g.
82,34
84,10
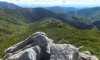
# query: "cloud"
34,1
53,1
83,2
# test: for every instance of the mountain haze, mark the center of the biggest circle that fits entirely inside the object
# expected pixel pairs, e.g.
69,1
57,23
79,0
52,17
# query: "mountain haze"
58,9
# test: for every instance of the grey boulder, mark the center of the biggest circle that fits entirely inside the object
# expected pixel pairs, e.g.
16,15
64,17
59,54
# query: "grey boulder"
86,55
39,47
94,57
63,52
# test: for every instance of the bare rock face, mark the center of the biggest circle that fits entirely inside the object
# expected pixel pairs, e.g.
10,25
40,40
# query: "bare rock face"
94,57
28,54
63,52
86,55
39,47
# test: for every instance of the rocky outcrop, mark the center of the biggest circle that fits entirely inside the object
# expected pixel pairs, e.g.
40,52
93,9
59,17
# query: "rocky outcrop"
86,55
39,47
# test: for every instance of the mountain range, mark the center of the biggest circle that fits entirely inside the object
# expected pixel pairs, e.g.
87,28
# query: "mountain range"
88,14
9,5
79,25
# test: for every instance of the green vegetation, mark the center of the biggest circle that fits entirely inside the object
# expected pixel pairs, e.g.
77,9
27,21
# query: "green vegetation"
88,38
10,26
58,30
92,14
17,24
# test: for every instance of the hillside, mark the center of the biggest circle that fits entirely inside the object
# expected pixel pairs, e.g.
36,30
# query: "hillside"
13,20
58,30
58,9
18,24
9,5
91,14
11,25
88,38
77,22
88,14
97,24
36,14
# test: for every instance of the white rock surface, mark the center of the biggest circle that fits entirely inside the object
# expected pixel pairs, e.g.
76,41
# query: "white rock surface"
86,55
94,57
63,52
28,54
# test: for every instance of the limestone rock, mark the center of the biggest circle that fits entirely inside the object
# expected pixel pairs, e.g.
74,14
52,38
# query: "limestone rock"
86,55
28,54
94,57
63,52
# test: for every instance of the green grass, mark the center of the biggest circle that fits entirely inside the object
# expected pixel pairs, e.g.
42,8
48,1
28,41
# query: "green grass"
10,27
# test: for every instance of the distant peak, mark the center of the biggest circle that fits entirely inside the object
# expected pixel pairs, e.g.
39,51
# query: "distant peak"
8,5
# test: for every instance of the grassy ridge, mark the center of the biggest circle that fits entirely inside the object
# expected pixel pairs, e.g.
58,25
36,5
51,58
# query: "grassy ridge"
10,26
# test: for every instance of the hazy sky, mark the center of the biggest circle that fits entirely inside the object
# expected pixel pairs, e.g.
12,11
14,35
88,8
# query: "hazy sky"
89,2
